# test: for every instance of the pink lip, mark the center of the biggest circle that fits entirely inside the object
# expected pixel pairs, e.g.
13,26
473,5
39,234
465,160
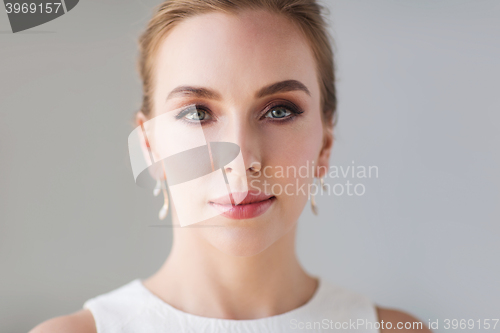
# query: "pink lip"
252,205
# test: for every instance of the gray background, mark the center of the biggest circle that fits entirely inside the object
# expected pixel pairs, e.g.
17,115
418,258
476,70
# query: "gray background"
418,85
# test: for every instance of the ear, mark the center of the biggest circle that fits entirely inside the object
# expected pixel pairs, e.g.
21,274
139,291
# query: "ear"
324,154
140,119
155,170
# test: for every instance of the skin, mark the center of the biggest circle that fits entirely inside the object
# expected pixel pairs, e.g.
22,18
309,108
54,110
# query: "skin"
210,270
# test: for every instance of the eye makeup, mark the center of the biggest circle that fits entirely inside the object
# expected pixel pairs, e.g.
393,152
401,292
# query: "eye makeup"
292,108
197,109
200,113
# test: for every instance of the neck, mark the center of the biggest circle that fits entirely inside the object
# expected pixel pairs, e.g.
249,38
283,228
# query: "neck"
200,279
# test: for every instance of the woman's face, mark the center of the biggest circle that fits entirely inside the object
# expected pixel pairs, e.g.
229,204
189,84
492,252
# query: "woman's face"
263,96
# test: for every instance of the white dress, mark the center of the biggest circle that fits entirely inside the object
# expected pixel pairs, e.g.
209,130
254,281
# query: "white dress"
133,308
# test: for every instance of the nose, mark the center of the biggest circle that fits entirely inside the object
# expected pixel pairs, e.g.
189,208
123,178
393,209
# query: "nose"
245,134
255,167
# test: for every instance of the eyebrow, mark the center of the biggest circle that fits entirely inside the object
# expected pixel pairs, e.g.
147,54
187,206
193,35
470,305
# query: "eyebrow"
278,87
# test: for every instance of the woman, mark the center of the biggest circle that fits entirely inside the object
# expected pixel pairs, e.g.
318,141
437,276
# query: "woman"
260,75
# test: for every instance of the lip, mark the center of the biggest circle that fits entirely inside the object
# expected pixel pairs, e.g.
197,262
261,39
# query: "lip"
252,204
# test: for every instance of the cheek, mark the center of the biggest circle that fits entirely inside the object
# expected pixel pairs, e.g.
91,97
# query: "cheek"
292,159
296,145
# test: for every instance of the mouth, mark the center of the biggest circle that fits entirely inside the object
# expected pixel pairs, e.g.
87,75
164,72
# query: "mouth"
248,205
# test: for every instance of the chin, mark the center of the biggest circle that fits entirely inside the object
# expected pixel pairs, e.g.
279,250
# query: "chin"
245,238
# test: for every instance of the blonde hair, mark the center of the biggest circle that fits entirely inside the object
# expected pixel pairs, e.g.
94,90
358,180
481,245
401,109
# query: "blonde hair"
306,14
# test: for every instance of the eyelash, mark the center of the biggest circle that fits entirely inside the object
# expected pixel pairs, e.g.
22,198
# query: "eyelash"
294,110
185,111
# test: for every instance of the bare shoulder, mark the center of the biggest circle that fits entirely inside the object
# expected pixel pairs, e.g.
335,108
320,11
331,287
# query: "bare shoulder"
399,321
78,322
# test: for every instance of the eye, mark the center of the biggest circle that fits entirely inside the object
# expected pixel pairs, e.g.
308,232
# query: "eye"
278,112
194,114
197,114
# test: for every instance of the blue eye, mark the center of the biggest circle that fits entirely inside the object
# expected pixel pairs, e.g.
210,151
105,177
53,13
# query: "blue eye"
197,115
278,112
194,114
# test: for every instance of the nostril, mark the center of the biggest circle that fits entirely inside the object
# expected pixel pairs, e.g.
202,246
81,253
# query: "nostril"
255,167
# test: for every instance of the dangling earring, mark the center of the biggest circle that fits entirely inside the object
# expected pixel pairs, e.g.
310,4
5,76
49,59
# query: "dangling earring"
164,210
157,189
160,187
322,183
161,184
314,207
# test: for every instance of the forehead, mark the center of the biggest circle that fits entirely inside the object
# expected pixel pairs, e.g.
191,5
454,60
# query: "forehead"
235,54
